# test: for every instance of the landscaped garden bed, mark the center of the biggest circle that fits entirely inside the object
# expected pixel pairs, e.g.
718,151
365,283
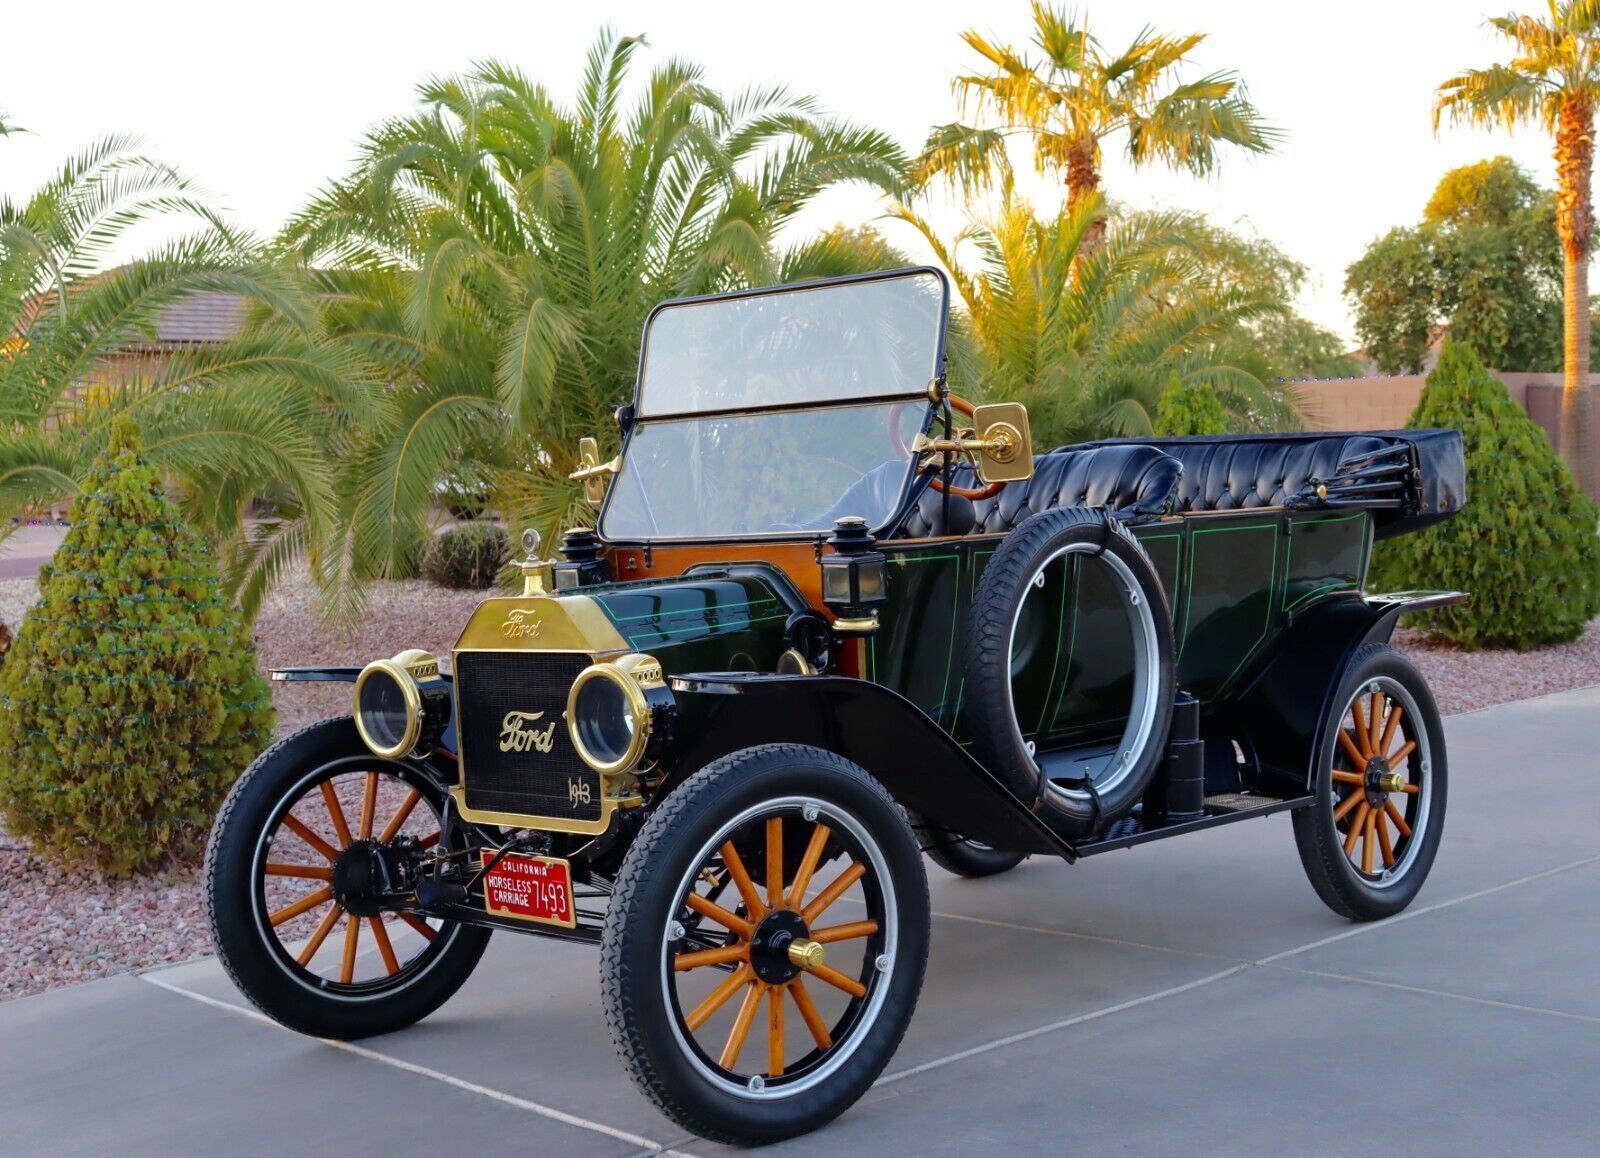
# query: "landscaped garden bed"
58,927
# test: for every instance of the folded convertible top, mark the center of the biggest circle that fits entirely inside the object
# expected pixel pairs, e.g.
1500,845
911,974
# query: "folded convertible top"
1408,479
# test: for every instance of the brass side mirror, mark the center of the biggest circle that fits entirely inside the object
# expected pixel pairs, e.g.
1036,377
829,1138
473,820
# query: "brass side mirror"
1006,450
592,472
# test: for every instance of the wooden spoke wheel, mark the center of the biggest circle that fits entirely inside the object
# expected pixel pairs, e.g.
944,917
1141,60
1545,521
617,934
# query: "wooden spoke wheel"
307,860
765,943
1372,834
323,872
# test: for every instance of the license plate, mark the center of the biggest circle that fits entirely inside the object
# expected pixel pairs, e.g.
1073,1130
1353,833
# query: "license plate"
530,888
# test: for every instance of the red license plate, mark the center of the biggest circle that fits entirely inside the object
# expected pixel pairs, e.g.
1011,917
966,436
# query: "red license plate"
532,888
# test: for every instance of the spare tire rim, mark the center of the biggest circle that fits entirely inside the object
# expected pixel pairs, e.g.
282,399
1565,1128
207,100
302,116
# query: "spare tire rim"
1145,707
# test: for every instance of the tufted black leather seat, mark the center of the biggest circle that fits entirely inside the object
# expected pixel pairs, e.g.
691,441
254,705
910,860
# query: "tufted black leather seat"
1240,472
1128,477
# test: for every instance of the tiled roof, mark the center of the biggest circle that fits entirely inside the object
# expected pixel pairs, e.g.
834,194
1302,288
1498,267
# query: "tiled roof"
208,316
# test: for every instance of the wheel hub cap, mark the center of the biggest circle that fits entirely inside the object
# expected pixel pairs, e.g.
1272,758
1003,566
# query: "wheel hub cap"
779,938
360,877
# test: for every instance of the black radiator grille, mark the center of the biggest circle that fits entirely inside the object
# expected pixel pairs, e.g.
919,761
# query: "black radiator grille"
498,694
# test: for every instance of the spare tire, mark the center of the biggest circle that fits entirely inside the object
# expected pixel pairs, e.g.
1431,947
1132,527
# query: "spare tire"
1076,790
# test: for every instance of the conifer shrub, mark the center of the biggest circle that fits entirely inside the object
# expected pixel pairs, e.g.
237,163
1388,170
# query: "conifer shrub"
1190,408
130,701
1524,545
467,557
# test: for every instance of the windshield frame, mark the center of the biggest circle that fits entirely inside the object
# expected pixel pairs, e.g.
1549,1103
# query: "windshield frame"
635,418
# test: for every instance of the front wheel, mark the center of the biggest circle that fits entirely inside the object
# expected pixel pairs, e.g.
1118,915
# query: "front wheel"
289,894
765,944
1369,838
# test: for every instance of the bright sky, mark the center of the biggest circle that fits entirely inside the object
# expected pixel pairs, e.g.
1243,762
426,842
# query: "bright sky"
264,102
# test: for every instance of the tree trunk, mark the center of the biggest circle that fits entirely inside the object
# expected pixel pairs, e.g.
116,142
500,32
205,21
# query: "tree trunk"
1575,224
1083,182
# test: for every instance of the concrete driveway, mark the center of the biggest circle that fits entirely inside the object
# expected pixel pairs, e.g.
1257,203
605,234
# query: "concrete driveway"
1189,997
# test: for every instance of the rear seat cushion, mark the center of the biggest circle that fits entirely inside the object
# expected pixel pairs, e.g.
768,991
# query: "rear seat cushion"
1132,478
1228,474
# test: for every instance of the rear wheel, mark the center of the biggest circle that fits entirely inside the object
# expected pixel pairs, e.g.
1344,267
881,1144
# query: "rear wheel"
765,944
962,856
290,893
1369,839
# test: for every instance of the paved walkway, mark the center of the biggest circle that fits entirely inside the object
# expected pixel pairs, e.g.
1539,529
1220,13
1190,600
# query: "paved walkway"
1191,997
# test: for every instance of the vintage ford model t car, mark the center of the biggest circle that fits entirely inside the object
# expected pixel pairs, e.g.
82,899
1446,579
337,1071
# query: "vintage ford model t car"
830,618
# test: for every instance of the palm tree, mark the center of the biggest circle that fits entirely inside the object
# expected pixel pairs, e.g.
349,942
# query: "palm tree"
495,254
224,424
1088,341
1553,80
1074,97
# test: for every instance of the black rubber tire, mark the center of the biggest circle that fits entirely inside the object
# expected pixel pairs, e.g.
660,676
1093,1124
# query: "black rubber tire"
996,740
631,951
254,964
1316,835
962,857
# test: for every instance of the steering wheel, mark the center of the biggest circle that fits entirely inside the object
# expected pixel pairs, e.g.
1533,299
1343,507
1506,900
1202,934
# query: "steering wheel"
971,493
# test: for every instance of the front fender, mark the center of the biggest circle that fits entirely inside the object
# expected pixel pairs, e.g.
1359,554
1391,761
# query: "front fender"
340,674
1285,711
916,760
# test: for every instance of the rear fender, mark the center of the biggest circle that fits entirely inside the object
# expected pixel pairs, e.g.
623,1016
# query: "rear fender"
1285,712
916,760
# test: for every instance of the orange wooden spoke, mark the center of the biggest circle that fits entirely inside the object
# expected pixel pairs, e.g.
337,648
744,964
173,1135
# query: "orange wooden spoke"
774,1031
429,841
385,949
419,925
402,814
722,955
808,865
369,805
1398,817
834,891
1360,715
718,997
1410,789
718,914
741,1025
1383,838
775,861
331,798
308,871
303,905
1347,804
1376,723
741,881
1351,750
809,1014
844,932
1357,827
838,980
352,937
1399,757
329,920
1368,840
1349,777
1387,742
300,829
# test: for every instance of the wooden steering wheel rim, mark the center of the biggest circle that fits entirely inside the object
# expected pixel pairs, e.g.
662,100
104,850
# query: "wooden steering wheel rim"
972,494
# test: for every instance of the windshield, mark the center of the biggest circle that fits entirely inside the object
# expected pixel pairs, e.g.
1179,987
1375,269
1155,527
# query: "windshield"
831,342
777,411
766,473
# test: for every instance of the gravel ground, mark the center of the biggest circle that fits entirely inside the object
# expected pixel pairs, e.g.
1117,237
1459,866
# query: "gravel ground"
58,928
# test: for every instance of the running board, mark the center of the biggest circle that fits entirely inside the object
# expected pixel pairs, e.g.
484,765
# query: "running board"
1219,810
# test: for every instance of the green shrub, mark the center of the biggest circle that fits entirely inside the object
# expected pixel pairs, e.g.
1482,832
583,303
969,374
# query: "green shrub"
130,701
1190,408
1525,545
468,556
